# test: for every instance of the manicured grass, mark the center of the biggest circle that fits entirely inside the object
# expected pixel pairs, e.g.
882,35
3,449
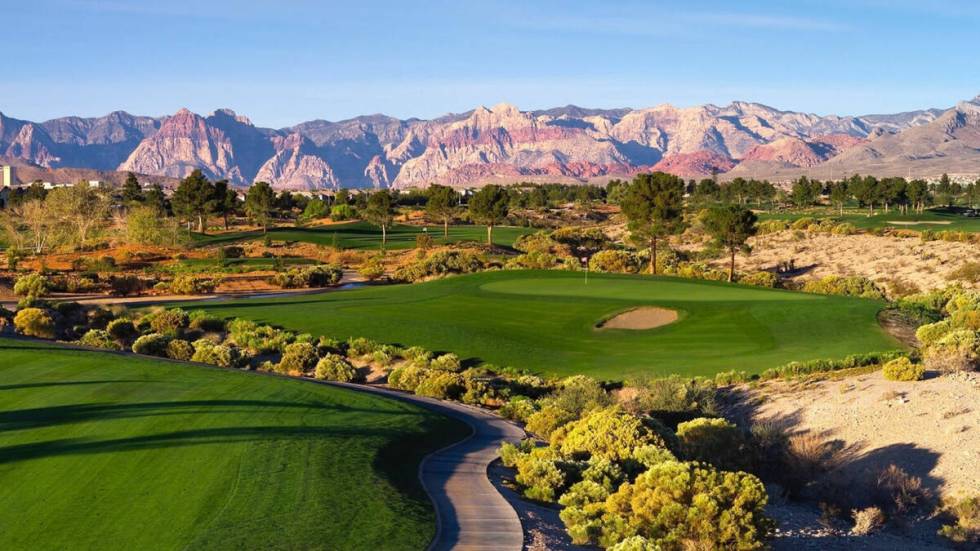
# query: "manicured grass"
936,219
102,451
544,321
361,235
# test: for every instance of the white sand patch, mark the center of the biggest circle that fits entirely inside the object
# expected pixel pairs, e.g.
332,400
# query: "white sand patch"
916,222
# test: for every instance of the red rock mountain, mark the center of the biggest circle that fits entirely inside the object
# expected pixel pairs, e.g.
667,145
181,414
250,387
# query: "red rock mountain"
502,143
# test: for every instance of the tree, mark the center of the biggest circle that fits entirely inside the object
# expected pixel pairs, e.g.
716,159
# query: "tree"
441,205
195,197
804,192
132,192
489,206
259,204
918,194
155,198
654,209
226,200
731,227
76,211
839,195
379,211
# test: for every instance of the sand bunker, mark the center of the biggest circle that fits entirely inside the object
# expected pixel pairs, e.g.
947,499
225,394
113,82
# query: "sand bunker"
644,317
916,222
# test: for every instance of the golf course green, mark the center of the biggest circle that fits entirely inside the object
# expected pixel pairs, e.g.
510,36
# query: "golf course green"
545,321
361,235
103,451
935,219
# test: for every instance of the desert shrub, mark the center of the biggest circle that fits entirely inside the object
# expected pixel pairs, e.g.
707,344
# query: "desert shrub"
867,521
803,223
179,349
442,263
671,398
609,433
687,506
122,329
372,270
32,285
636,543
188,284
851,286
539,474
313,277
407,378
614,261
902,369
968,272
760,279
257,339
125,285
298,357
417,355
152,344
540,261
965,528
384,355
771,226
844,228
899,492
932,332
517,408
232,251
169,322
547,419
221,355
35,322
958,350
714,441
99,338
510,453
446,362
203,321
444,385
339,213
700,270
361,346
334,367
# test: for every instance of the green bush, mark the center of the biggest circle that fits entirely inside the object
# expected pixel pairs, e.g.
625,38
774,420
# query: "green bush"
122,330
179,349
32,285
125,285
202,321
714,441
334,367
442,263
444,385
518,408
99,338
169,322
232,251
312,277
153,344
609,433
35,322
760,279
539,474
771,226
298,357
688,506
188,284
636,543
850,286
548,419
902,369
446,362
361,346
407,378
339,213
221,355
614,261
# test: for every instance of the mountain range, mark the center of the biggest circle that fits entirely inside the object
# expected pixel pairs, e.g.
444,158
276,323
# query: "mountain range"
502,143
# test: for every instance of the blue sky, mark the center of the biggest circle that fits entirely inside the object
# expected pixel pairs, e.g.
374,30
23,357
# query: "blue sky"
286,61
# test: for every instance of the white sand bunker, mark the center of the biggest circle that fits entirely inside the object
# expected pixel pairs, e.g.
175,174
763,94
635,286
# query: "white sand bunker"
644,317
916,222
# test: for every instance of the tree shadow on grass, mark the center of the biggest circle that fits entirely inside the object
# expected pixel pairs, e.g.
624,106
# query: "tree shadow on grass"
32,418
70,383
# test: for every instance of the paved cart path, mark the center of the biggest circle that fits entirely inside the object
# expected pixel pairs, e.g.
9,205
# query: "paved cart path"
471,514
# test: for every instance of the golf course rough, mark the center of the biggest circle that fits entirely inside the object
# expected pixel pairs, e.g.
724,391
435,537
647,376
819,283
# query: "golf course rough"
544,321
103,451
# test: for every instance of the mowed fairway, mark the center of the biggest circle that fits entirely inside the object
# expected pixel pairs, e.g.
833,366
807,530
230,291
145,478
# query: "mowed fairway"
361,235
101,451
545,322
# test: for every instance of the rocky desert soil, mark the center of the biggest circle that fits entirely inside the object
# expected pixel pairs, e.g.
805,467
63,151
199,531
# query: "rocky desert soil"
924,264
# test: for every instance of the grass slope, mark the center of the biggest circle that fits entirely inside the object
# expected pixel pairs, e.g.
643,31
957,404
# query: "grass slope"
361,235
936,219
101,451
544,321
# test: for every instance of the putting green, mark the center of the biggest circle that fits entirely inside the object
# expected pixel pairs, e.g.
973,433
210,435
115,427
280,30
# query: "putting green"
101,451
545,321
